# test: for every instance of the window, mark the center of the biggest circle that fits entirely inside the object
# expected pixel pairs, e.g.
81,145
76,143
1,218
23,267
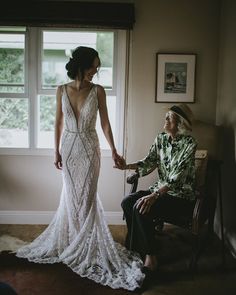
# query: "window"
13,103
32,65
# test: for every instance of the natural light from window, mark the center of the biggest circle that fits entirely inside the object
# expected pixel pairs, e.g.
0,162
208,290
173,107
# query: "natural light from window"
29,78
13,110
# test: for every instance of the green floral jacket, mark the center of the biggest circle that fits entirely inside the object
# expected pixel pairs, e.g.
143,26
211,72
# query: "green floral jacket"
174,161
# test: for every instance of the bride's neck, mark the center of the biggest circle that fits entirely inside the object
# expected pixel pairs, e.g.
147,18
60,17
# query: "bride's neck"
78,84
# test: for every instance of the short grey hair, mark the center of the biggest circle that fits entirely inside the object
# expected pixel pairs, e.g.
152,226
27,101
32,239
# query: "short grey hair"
181,126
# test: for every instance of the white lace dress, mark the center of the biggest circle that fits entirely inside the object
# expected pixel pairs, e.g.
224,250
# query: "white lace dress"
78,234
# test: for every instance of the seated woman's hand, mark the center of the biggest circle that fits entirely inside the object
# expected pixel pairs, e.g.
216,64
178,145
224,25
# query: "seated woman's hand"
144,204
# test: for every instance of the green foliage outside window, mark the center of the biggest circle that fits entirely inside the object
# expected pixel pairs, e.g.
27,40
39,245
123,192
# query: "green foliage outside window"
47,113
11,69
105,48
14,113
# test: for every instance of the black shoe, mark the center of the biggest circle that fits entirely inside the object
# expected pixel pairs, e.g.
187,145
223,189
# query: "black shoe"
146,270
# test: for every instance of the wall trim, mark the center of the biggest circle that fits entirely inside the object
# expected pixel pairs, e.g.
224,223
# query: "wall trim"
44,217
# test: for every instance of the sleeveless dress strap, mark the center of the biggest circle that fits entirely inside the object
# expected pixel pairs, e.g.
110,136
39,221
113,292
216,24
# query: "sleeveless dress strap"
63,89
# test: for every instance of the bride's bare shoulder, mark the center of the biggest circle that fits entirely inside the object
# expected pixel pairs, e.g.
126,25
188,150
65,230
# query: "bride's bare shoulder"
69,84
100,89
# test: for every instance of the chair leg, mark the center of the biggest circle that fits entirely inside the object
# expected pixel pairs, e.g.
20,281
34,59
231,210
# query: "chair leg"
195,254
199,245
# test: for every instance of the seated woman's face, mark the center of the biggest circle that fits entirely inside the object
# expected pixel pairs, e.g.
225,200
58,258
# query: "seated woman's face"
171,122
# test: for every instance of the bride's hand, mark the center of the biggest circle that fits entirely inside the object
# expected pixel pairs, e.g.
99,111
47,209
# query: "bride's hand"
120,162
58,161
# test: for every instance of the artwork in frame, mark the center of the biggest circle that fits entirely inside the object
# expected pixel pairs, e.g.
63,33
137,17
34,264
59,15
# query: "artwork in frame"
175,77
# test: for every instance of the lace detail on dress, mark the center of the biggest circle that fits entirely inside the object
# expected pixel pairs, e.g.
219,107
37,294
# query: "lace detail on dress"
78,234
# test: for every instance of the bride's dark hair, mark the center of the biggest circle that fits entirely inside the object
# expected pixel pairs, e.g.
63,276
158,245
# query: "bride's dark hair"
82,59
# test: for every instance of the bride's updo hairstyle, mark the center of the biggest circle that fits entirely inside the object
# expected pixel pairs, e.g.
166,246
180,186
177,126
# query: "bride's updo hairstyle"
82,59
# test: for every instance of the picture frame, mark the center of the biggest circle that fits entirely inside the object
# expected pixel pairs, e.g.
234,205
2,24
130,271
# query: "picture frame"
175,77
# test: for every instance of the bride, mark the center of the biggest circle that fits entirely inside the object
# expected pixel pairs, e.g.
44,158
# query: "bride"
78,234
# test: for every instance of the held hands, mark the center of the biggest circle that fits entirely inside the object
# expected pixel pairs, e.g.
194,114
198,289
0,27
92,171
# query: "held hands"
58,161
119,161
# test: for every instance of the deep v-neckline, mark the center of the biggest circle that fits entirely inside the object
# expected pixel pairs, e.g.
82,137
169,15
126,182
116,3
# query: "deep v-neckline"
83,104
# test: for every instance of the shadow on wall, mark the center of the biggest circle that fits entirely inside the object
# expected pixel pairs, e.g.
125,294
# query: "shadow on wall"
220,143
229,185
208,137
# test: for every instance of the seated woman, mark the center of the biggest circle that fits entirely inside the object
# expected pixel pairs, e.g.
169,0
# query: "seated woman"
172,153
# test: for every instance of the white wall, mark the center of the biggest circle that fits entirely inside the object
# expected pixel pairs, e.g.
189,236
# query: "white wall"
177,27
186,26
33,183
30,189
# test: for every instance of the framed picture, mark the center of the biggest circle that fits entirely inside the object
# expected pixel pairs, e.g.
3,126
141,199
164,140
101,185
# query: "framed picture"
175,77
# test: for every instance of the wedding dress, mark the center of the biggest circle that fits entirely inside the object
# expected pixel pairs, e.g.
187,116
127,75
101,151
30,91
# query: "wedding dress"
78,234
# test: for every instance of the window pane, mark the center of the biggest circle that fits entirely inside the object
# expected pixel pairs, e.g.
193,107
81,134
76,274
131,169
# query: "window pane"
12,74
58,47
111,107
13,122
104,46
47,118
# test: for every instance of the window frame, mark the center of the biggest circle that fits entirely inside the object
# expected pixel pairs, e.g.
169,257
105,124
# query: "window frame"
26,50
33,87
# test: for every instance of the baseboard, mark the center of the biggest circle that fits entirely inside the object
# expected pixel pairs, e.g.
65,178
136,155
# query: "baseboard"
44,217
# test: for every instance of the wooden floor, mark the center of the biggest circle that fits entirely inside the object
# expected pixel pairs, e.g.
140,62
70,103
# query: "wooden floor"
173,277
27,232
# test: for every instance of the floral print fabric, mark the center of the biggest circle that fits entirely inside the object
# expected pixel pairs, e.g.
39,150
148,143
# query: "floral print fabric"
174,160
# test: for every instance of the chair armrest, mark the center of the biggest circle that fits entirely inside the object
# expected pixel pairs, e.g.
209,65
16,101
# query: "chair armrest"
133,180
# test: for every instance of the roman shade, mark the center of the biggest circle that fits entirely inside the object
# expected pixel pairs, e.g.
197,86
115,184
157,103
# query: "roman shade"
67,14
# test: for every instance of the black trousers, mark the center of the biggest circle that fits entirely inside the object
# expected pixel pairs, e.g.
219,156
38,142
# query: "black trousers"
141,231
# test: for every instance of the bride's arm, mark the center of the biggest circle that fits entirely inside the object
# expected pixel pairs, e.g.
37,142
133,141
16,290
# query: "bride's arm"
58,129
105,123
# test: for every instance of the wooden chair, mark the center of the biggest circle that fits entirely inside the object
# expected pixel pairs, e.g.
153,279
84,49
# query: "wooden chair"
204,207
